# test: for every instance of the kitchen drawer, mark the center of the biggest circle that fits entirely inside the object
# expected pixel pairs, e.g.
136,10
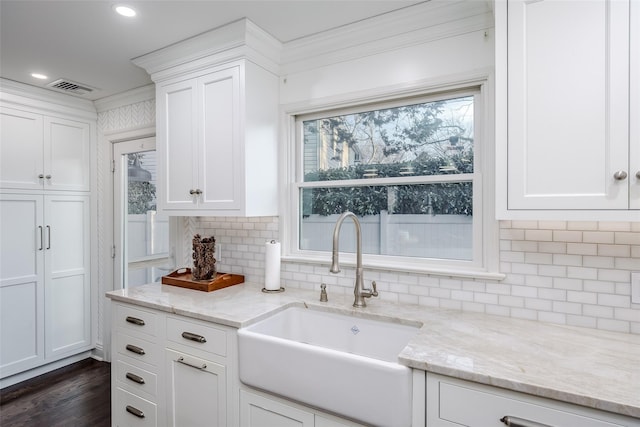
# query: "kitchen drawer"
138,349
452,402
136,379
197,335
136,321
130,410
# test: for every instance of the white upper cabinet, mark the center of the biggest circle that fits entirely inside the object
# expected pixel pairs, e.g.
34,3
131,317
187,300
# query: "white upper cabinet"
217,123
566,147
41,152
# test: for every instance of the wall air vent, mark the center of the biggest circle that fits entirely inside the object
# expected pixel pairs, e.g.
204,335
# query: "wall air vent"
68,86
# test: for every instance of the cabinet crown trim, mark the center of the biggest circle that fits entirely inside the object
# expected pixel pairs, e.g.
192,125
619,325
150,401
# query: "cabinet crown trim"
238,39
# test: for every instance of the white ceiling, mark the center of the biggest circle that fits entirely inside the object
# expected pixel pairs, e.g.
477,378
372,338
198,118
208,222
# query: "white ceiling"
86,42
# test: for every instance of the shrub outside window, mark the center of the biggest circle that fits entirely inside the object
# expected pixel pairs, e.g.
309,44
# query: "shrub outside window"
407,168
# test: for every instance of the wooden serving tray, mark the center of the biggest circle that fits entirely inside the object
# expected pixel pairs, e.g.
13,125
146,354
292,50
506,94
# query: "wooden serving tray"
183,278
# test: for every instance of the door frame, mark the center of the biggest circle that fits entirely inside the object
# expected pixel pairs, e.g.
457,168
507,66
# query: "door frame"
106,235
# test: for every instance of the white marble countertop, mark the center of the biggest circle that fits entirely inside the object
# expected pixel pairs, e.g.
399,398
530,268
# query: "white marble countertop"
588,367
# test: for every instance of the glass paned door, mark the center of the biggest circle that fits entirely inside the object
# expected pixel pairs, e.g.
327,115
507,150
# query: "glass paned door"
142,235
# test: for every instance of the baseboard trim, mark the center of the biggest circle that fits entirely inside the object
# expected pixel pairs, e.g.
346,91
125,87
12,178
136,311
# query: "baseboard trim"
31,373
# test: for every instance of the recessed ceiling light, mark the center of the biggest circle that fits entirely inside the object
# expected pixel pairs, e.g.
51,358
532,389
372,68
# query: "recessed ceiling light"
125,10
39,76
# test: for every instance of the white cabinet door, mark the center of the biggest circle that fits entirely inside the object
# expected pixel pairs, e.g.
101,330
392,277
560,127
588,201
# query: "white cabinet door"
40,152
67,153
197,394
177,145
21,283
260,411
219,147
568,104
67,282
21,142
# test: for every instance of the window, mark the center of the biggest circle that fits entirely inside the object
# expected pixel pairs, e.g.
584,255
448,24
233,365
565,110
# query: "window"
409,169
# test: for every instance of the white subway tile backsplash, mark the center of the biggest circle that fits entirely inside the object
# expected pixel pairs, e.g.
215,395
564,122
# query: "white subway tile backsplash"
613,325
614,300
598,237
566,272
539,235
567,236
582,248
582,273
552,317
553,247
582,321
582,225
614,250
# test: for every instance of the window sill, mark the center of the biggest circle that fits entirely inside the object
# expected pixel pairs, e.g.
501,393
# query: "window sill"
399,266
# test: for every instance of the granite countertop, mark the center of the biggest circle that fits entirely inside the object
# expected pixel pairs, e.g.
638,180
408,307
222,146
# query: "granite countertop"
588,367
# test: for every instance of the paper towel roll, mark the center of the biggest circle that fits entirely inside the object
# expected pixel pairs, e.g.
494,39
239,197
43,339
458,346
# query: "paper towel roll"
272,266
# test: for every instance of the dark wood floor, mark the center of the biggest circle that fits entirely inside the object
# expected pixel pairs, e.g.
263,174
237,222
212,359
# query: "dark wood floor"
77,395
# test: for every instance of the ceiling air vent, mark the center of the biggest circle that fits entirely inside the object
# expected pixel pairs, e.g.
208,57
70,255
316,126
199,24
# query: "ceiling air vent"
69,86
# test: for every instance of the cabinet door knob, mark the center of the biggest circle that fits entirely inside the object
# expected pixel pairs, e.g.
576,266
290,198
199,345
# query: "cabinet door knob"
620,175
48,176
192,191
638,174
41,176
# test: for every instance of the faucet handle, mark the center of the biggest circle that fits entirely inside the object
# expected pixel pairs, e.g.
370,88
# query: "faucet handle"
323,293
375,289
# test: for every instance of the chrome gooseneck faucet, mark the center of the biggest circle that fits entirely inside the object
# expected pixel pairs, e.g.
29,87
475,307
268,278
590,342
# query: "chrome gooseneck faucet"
359,290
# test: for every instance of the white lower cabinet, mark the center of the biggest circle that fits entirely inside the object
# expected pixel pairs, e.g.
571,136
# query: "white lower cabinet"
170,370
259,409
453,402
136,360
196,391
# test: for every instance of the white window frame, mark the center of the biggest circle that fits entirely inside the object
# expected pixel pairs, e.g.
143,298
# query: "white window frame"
485,261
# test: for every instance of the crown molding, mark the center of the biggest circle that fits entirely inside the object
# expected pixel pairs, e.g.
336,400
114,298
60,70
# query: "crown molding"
241,39
44,100
133,96
417,24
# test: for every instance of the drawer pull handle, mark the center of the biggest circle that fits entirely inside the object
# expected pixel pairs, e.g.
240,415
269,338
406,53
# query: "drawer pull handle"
135,321
135,411
520,422
135,349
201,367
135,378
194,337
